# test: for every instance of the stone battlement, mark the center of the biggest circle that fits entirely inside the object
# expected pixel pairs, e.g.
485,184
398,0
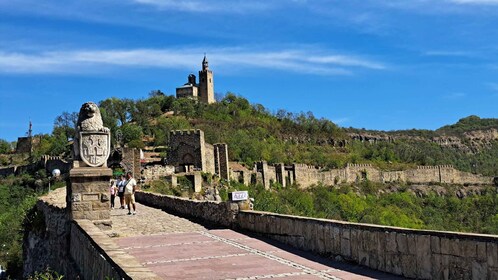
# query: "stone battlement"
187,132
47,158
304,166
435,167
306,175
356,165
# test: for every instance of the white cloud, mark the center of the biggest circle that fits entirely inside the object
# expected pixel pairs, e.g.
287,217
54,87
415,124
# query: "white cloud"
89,61
209,5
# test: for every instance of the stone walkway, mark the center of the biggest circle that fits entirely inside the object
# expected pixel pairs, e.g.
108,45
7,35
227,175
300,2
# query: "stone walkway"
149,221
176,248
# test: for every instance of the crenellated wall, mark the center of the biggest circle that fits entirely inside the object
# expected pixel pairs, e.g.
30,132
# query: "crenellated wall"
305,175
49,163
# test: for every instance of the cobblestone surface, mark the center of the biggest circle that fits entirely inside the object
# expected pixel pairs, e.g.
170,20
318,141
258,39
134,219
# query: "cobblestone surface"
148,221
176,248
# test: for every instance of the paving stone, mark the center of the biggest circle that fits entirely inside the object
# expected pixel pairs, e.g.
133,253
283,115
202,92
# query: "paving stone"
176,248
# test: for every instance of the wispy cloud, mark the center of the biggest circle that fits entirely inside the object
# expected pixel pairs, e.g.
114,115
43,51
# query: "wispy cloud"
449,53
209,5
87,61
341,120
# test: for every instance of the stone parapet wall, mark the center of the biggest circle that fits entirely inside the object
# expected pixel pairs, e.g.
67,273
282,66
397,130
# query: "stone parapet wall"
411,253
77,250
46,238
98,257
212,212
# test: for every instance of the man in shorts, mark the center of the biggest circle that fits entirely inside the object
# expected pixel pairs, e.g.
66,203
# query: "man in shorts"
129,192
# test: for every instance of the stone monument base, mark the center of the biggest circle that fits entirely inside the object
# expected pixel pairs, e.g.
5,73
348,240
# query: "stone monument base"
88,195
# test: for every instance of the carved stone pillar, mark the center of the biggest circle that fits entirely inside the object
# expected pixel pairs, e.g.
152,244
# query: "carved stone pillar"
88,195
88,186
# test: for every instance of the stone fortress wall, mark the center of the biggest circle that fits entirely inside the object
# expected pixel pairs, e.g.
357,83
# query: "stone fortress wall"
49,163
189,152
306,176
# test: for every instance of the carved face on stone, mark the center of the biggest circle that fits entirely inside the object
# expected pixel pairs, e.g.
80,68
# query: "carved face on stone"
89,109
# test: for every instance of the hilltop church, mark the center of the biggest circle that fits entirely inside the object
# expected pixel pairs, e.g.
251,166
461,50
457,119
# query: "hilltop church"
202,91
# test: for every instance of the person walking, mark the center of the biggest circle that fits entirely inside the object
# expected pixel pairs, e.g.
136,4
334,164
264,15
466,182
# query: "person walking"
121,186
129,193
112,190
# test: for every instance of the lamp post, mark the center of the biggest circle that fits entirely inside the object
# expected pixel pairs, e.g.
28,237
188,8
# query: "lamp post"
55,174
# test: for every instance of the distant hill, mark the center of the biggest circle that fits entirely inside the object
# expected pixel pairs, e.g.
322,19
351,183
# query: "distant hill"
253,133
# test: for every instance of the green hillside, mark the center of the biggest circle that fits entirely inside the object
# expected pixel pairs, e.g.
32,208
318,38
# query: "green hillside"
254,133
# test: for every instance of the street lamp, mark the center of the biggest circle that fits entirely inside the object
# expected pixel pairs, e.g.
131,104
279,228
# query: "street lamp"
55,174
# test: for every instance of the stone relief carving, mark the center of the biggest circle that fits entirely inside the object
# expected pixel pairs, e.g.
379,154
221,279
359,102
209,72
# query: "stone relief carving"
92,142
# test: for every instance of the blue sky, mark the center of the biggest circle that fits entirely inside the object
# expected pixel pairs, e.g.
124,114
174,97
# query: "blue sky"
376,64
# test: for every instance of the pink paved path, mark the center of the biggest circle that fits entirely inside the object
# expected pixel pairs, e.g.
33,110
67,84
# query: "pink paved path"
189,251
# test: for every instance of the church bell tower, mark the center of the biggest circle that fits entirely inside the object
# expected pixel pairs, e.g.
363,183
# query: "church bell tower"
206,83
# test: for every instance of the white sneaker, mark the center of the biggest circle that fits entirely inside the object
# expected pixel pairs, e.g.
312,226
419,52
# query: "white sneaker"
134,212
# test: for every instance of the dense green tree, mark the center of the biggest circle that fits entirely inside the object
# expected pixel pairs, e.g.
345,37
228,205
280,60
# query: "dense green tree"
65,124
119,109
5,147
131,132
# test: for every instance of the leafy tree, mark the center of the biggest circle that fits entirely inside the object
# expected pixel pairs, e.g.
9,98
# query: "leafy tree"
5,147
120,109
131,132
65,124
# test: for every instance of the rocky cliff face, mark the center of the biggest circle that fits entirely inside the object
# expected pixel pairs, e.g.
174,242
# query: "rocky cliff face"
468,142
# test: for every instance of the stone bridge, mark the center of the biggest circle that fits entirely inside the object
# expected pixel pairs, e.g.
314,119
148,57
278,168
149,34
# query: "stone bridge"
175,238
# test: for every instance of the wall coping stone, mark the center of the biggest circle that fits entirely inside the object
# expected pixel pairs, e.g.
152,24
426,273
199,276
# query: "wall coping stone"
127,266
373,227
